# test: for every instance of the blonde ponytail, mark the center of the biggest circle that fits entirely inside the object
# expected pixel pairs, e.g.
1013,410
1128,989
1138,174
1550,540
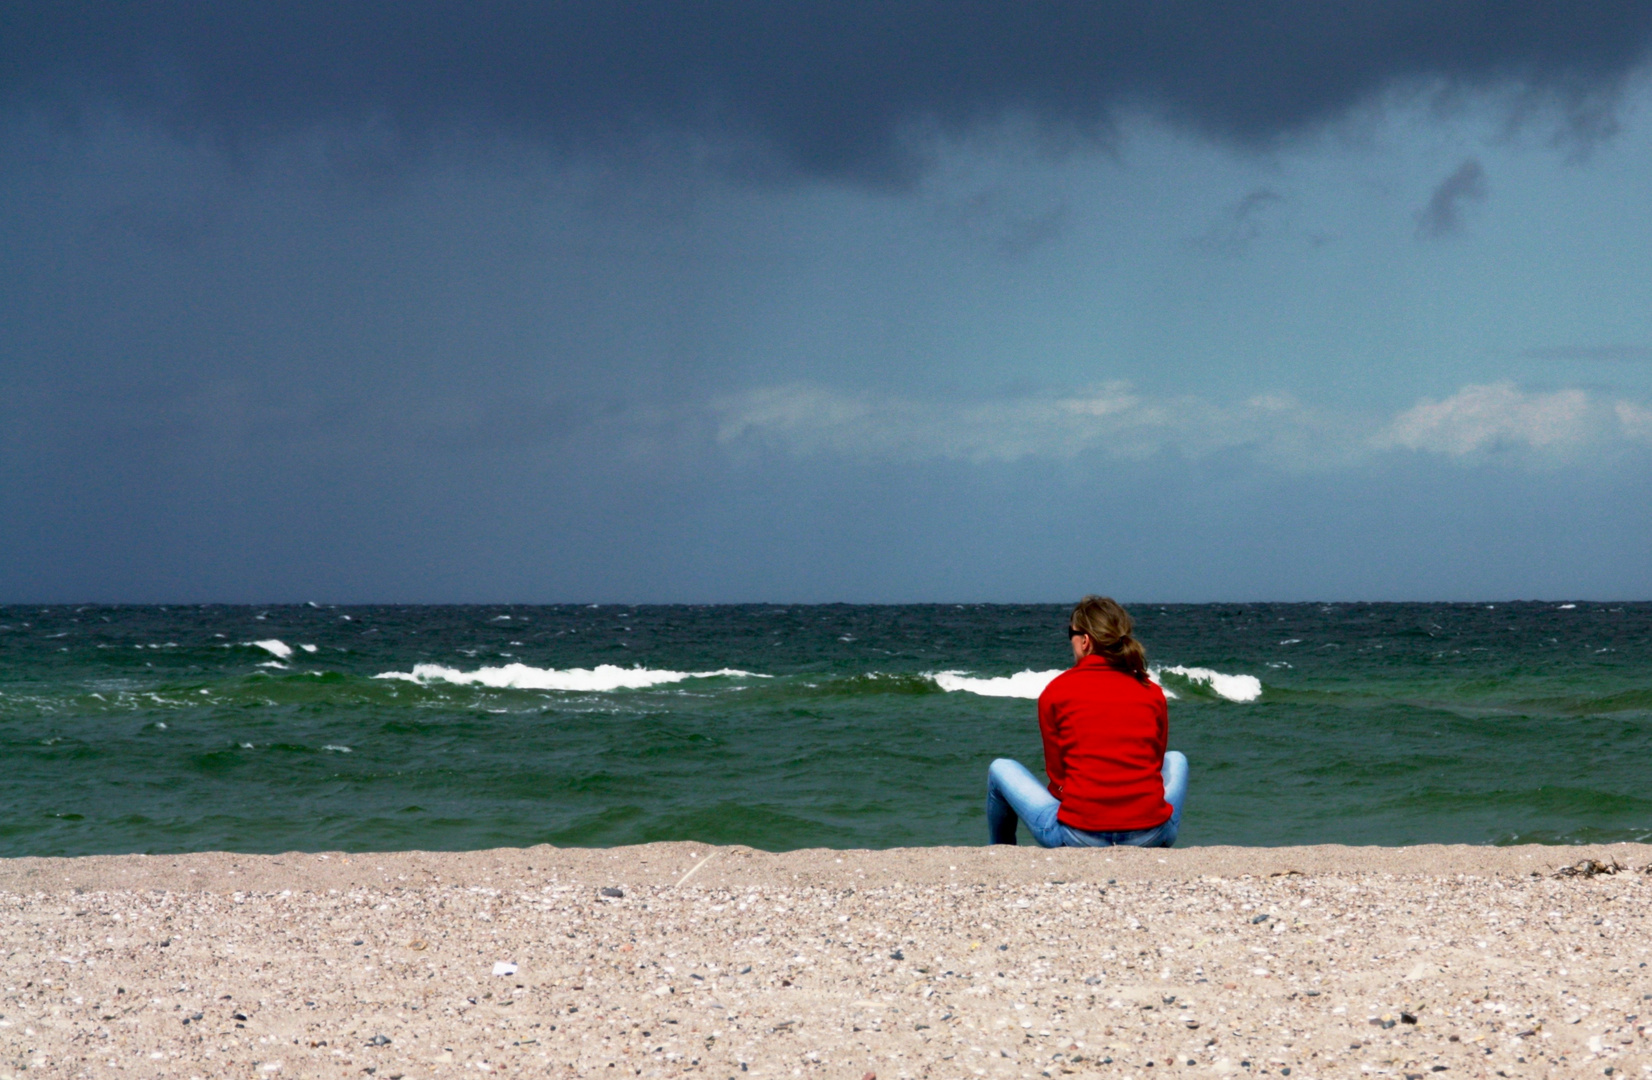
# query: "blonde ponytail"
1108,626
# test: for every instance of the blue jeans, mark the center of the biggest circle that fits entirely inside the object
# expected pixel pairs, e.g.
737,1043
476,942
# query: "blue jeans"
1014,794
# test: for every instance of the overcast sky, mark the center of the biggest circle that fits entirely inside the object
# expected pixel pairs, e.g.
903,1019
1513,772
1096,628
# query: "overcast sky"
808,301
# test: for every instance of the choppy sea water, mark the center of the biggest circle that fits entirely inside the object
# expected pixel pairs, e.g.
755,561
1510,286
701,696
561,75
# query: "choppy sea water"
158,729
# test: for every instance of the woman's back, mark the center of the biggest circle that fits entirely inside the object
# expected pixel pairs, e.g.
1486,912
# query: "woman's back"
1104,742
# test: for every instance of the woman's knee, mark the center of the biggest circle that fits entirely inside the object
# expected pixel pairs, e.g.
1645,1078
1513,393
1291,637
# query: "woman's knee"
1174,774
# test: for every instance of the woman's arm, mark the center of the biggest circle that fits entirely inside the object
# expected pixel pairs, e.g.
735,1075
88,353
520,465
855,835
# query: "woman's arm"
1055,765
1164,726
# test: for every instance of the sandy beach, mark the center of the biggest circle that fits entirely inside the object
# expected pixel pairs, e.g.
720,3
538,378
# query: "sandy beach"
733,963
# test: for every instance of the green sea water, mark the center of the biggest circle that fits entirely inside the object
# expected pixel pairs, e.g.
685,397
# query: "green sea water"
162,729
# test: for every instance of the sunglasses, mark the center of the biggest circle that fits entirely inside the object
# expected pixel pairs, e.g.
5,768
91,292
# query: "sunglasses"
1075,633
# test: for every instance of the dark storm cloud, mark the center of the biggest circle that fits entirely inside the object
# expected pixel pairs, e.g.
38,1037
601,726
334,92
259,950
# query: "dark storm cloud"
1443,215
821,88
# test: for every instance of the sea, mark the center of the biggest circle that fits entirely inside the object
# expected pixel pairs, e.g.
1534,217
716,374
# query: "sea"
312,727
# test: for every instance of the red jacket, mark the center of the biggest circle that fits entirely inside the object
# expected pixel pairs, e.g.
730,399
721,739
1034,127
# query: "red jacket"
1104,741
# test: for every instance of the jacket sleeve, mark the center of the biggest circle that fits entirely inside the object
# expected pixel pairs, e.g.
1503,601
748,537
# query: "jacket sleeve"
1055,767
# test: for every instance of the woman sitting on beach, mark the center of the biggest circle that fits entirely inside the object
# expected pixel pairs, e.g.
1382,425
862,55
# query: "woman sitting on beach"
1105,726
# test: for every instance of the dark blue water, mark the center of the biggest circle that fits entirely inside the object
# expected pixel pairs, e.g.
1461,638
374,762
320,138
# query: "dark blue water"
170,729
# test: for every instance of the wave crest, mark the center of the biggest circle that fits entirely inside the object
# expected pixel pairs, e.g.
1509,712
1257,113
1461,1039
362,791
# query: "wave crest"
1023,684
1029,684
1241,688
601,678
274,646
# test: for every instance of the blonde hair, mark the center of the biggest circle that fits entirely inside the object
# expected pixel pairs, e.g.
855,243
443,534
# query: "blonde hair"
1108,626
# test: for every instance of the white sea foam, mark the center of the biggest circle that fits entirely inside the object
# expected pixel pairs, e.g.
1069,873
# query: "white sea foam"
523,677
1232,687
1023,684
1029,684
308,648
275,647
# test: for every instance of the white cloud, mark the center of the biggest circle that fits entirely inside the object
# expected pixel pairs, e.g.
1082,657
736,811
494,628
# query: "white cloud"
1636,421
1113,419
1118,421
1501,416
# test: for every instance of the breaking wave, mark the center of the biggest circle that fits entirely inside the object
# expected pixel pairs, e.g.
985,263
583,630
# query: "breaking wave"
275,647
1233,687
1023,684
1029,684
603,677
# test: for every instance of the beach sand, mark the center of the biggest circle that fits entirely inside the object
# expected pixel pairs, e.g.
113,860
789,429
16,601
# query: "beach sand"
733,963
